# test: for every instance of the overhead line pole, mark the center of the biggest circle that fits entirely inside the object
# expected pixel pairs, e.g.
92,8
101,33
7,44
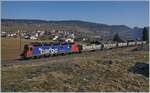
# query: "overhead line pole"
20,39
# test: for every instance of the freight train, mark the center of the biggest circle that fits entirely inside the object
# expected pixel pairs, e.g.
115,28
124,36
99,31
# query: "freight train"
53,49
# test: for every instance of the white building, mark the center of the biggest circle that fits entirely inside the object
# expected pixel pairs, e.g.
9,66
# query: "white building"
55,38
33,38
69,40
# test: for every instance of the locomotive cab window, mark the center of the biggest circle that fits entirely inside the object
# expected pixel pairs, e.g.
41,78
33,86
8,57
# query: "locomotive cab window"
30,48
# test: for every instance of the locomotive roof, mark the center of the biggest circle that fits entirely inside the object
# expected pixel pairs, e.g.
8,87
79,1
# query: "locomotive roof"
50,43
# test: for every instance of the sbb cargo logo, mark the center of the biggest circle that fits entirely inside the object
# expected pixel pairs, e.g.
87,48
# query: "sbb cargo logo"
48,51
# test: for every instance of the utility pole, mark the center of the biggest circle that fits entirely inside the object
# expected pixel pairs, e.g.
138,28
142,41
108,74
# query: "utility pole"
19,39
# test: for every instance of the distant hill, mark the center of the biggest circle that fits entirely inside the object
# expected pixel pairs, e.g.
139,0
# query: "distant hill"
92,29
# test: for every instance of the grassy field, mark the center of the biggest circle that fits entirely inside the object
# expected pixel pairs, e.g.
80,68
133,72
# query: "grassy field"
102,71
10,47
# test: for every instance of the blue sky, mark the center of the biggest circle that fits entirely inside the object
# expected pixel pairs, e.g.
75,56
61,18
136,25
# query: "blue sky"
111,12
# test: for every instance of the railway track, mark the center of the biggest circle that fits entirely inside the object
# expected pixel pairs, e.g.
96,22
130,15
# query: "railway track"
7,63
43,59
